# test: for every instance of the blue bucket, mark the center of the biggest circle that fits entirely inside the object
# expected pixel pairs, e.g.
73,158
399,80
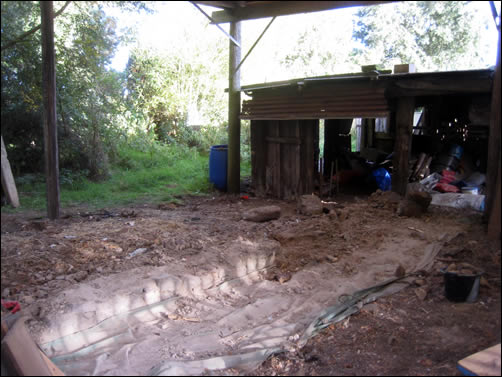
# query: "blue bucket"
218,166
383,179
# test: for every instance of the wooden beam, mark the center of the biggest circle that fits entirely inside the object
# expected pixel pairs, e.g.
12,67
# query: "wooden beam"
263,9
494,220
8,183
217,4
234,109
402,148
435,86
50,119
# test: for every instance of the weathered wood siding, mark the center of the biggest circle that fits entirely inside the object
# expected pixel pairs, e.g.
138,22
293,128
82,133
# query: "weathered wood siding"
284,157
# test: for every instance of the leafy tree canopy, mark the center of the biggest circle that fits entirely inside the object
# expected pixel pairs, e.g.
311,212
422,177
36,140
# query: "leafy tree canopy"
435,35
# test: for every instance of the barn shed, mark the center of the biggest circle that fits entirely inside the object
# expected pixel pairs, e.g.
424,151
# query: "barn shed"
399,113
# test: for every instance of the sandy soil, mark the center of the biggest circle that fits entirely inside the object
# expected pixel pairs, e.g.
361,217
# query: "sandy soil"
414,332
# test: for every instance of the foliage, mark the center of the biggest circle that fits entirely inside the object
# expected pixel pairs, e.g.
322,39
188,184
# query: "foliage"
88,95
435,35
156,174
167,87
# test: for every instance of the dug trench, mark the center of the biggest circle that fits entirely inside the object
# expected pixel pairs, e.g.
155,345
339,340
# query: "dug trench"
131,289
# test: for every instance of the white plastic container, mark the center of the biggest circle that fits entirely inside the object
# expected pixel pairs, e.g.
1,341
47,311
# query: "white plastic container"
468,201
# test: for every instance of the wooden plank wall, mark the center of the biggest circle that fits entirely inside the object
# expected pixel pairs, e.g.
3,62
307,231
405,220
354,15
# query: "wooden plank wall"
284,157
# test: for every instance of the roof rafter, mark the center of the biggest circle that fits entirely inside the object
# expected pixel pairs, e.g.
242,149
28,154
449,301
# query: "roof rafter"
249,10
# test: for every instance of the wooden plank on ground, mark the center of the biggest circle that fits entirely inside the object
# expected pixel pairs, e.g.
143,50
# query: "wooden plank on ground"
22,353
483,363
8,183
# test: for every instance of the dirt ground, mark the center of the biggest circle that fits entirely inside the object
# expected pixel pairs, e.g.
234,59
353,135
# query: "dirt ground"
414,332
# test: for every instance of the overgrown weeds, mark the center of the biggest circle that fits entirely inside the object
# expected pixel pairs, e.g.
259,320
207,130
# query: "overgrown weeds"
154,173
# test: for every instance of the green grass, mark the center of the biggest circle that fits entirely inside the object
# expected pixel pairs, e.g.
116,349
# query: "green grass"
161,174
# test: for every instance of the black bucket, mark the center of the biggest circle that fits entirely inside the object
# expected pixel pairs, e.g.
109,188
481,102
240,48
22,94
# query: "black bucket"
461,288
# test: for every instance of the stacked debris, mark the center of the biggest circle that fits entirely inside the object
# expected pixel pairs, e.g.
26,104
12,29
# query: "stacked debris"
452,174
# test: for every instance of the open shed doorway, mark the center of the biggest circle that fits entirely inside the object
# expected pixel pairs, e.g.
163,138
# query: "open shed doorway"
351,150
451,138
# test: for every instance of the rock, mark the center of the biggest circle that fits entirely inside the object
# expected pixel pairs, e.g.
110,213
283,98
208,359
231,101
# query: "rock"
414,204
139,251
6,293
262,214
59,268
78,276
484,283
342,214
409,208
28,300
309,205
421,293
420,282
392,340
422,198
284,277
400,271
452,268
38,225
41,294
332,259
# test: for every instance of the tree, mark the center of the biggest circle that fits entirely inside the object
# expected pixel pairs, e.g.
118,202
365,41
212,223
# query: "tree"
167,87
89,96
435,35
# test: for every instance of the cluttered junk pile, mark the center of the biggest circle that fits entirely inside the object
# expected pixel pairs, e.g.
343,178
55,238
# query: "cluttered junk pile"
450,179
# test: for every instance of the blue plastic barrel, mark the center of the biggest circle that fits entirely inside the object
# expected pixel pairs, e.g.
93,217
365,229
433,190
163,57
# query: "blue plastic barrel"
218,166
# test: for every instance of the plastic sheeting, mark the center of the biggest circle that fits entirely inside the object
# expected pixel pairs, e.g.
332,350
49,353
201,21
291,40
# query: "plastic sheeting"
237,323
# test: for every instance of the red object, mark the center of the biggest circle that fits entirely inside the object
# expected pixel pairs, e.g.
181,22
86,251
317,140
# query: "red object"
12,306
244,197
445,187
346,176
444,183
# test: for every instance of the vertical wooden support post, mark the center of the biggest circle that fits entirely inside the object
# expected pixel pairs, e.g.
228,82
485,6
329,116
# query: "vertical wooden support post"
49,99
234,109
402,148
492,208
494,220
8,183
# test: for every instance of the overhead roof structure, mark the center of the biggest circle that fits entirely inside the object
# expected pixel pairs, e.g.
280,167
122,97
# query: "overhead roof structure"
233,11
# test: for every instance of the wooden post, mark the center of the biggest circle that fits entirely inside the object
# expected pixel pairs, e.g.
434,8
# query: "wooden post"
234,109
331,178
404,126
49,99
492,208
8,183
494,220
